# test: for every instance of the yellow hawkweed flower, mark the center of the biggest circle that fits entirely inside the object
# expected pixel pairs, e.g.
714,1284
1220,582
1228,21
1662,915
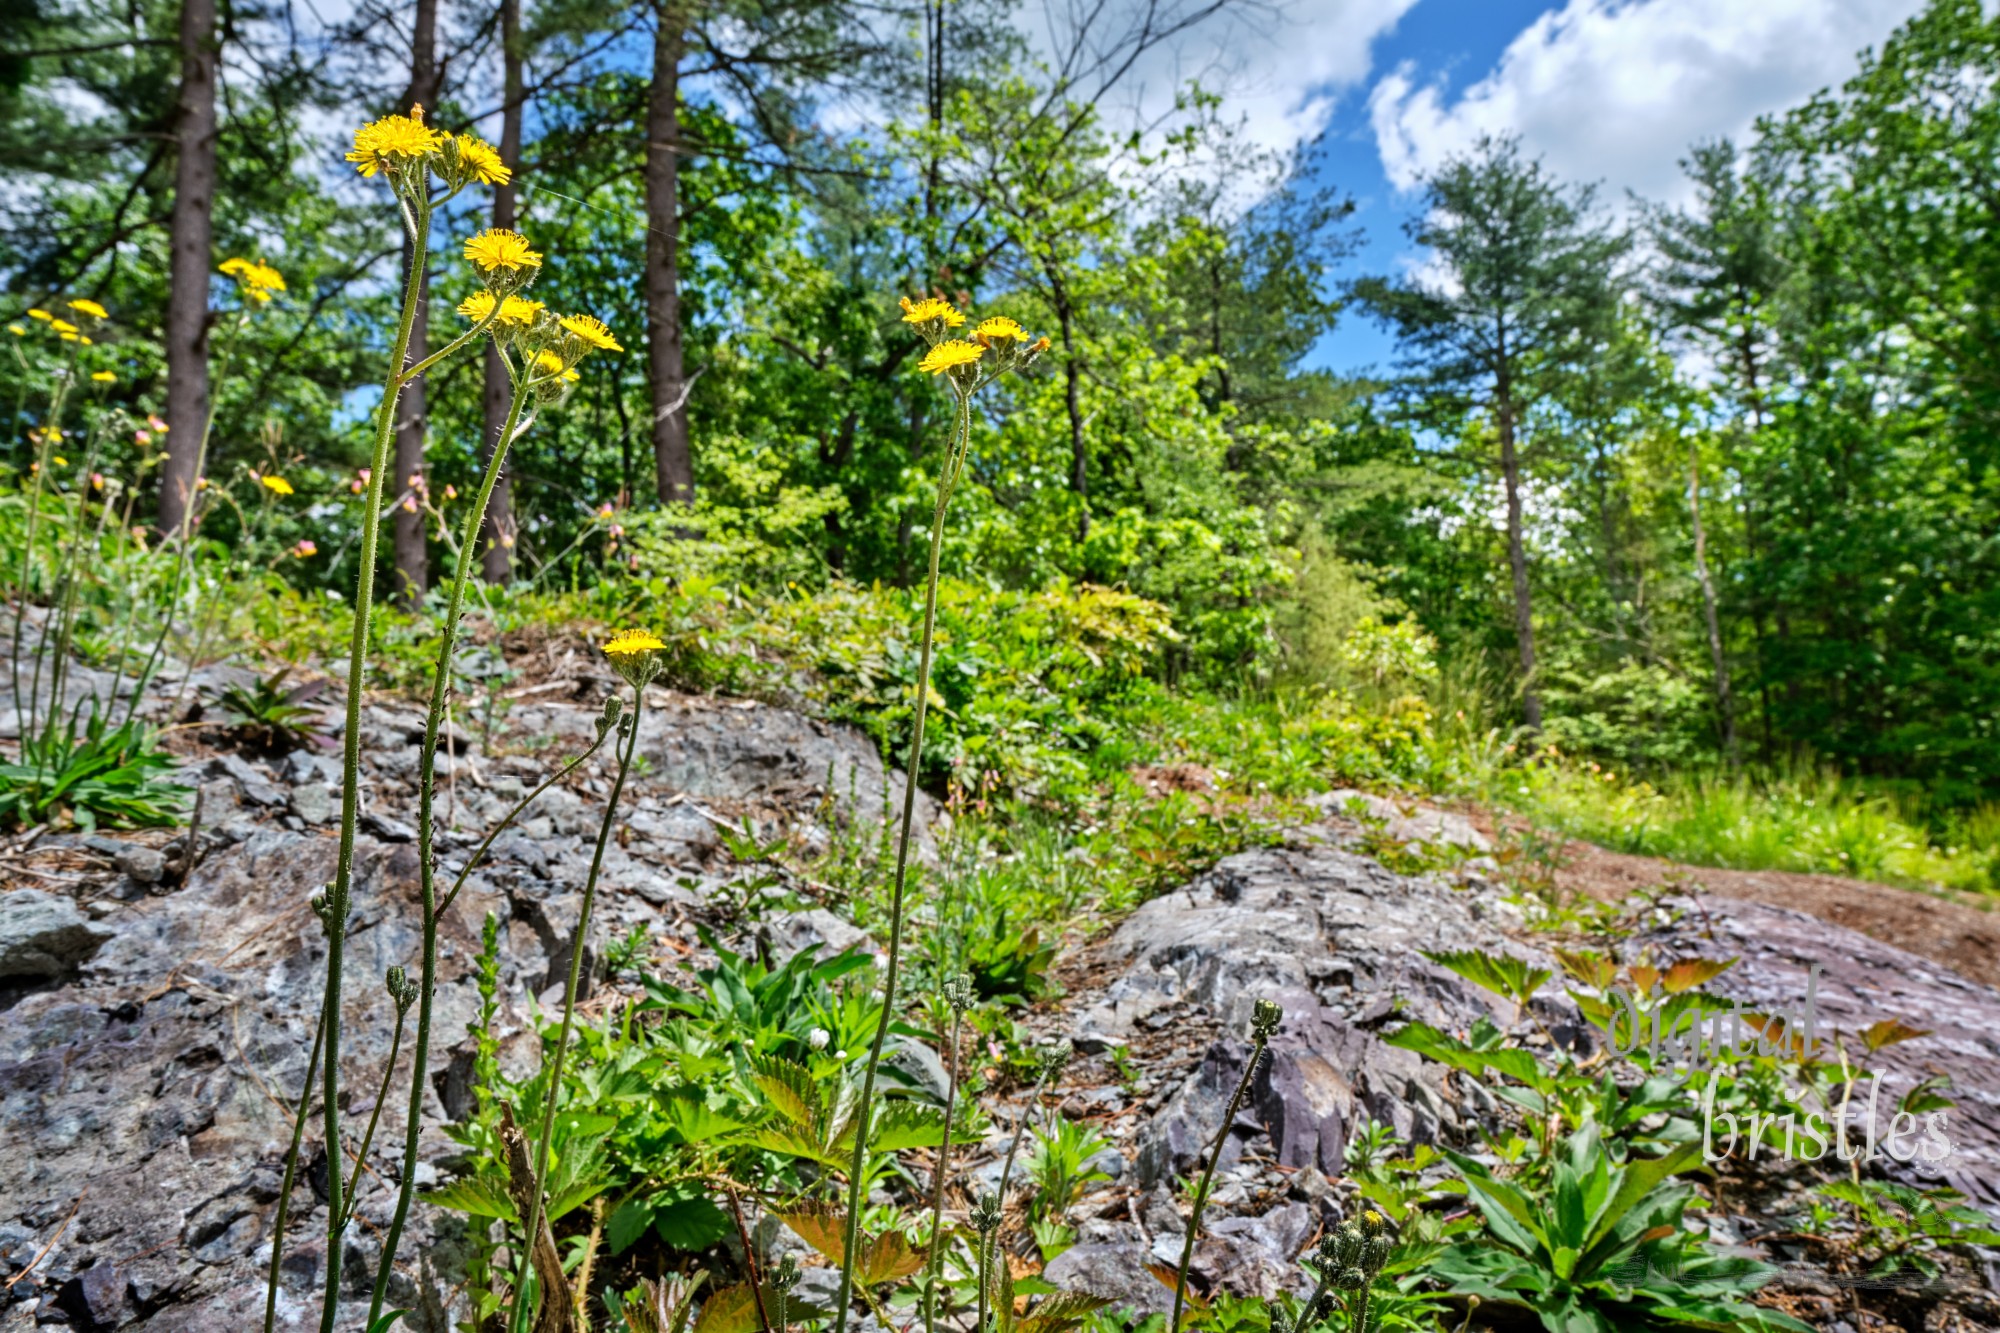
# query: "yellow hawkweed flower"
276,485
631,653
480,161
104,377
39,313
63,327
552,368
950,355
631,642
513,310
258,281
379,144
999,327
594,332
91,308
495,248
17,330
930,308
58,460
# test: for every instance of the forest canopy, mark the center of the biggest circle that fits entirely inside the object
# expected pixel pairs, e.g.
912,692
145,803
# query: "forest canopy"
1700,483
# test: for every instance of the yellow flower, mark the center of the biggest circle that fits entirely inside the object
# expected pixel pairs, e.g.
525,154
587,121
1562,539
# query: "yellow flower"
276,485
104,377
91,308
513,310
379,143
999,327
58,460
632,642
552,368
62,326
494,248
949,355
594,332
39,313
930,308
258,281
480,161
17,330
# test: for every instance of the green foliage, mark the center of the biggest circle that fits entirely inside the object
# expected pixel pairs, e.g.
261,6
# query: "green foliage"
89,773
268,716
1605,1247
1892,1227
1058,1165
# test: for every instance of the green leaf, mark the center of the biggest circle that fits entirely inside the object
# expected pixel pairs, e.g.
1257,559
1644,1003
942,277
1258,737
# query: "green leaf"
628,1222
475,1195
1505,976
382,1324
688,1222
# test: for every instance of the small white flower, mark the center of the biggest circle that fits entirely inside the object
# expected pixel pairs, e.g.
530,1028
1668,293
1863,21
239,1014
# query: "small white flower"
840,1055
819,1039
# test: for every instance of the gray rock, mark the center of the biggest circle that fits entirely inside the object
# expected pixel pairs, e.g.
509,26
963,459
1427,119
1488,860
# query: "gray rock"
255,785
43,935
95,1298
798,930
316,802
1407,822
142,863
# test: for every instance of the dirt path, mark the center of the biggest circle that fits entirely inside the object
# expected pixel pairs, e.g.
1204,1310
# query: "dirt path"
1954,931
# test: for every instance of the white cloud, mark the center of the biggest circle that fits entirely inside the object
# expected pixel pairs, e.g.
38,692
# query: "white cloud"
1281,66
1617,90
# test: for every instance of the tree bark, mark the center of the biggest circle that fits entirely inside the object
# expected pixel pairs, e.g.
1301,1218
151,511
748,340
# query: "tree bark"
1725,705
412,552
673,462
497,536
1079,472
1517,553
190,260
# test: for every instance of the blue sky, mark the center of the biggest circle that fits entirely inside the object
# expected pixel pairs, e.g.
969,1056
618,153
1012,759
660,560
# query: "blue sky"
1456,42
1612,91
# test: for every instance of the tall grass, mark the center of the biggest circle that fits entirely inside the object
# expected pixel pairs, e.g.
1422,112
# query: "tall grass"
1809,820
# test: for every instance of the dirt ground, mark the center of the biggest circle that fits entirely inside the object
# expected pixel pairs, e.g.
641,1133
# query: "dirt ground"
1958,932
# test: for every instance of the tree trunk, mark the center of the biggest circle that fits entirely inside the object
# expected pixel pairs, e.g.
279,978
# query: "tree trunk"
497,536
1079,474
672,461
1725,706
412,552
191,245
1517,558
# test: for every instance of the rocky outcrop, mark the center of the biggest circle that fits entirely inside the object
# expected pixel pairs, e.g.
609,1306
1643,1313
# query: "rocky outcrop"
1337,941
157,1034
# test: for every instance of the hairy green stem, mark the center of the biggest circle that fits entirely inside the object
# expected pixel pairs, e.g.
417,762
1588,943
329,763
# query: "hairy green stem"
26,580
291,1174
374,1118
947,478
554,1093
943,1172
183,544
350,794
1208,1177
986,1240
426,835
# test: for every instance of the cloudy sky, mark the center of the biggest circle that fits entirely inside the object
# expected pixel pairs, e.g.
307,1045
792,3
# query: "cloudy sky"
1606,90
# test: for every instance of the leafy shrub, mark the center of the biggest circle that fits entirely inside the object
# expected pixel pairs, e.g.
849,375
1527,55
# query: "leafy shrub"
268,716
90,774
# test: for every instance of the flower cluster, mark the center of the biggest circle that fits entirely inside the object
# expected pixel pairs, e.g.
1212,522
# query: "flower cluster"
550,345
404,149
964,362
90,312
256,281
